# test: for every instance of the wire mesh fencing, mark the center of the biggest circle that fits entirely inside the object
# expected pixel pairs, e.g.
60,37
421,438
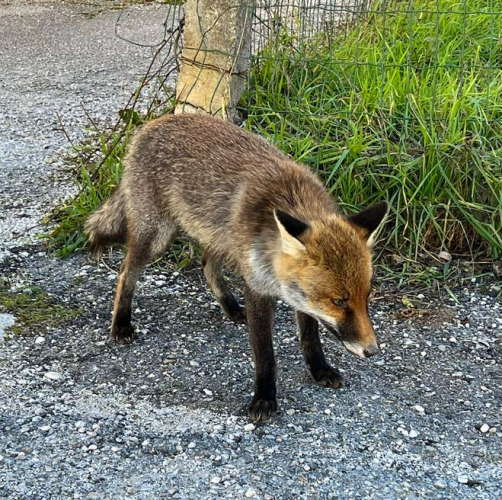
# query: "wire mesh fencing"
395,99
303,18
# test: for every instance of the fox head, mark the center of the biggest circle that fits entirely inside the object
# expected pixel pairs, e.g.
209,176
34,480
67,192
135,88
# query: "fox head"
324,269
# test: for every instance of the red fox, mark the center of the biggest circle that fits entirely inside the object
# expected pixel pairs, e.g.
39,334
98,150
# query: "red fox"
256,211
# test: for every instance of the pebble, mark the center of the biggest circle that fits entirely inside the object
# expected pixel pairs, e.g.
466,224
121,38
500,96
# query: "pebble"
441,485
53,375
39,340
250,493
419,409
45,428
216,479
446,256
249,427
484,428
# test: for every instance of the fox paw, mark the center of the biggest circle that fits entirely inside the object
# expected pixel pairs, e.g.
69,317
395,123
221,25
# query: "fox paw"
328,377
233,309
238,315
123,334
261,410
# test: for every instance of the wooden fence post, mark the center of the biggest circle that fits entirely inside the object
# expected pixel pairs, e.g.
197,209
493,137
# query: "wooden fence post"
215,57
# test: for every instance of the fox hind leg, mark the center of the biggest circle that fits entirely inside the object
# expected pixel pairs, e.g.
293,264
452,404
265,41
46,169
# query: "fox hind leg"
213,272
140,251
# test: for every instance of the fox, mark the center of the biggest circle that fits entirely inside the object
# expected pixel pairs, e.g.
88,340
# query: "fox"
256,212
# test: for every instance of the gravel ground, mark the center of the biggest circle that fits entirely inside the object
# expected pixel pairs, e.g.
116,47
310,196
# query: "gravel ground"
81,417
60,61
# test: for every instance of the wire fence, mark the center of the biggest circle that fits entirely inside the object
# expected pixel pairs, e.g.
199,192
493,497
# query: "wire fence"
395,99
442,21
302,20
391,98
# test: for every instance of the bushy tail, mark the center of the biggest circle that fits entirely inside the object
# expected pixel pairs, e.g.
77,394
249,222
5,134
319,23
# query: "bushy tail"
107,225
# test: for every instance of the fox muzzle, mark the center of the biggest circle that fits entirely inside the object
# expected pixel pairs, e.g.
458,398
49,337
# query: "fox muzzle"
354,346
360,350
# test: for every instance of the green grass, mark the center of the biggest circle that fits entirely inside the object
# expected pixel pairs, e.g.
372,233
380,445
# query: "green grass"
34,309
406,107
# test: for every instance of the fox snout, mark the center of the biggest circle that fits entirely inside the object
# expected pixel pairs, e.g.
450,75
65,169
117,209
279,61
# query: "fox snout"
361,347
361,350
360,341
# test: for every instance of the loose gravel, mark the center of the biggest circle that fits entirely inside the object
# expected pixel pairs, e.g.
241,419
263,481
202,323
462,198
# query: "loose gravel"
81,417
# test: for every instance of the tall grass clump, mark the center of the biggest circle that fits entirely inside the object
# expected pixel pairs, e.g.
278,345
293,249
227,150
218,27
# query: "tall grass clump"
404,105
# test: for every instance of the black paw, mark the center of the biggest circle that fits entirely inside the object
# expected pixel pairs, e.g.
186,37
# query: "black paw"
233,309
328,377
261,410
238,316
123,334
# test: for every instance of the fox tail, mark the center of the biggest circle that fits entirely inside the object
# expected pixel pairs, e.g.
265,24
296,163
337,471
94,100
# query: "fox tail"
107,225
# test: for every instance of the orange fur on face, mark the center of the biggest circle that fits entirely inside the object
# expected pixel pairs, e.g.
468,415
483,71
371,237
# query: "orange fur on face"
336,264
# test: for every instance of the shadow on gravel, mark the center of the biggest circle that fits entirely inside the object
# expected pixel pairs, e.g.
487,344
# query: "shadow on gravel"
187,353
426,409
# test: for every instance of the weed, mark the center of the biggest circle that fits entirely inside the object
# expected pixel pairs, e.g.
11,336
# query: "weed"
98,166
34,308
96,181
405,105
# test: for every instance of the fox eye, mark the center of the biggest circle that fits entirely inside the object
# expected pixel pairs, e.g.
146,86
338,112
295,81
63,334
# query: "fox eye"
339,302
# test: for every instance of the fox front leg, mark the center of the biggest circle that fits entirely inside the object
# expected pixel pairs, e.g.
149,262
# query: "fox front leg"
260,318
321,371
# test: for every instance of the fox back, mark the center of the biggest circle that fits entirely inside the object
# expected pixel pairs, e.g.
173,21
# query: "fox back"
218,182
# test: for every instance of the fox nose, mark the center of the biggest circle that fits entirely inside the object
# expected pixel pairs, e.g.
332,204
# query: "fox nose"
371,350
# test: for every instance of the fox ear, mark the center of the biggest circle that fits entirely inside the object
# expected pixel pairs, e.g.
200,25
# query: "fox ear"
370,220
290,230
